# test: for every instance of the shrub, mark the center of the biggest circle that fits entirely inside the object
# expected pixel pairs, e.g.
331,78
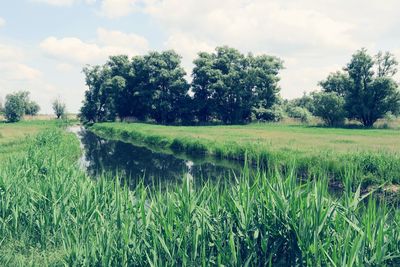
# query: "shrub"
275,114
299,113
330,107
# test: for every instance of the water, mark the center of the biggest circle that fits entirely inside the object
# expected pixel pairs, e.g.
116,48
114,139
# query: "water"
136,163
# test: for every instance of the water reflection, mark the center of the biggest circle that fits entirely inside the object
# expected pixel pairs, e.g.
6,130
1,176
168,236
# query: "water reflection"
137,163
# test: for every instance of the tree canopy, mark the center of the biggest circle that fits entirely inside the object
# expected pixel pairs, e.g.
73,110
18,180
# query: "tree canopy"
19,104
226,86
367,86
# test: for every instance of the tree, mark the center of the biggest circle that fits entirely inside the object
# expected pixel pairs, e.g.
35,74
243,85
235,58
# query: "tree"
59,108
370,97
14,107
204,84
31,108
337,82
330,107
228,85
94,107
167,84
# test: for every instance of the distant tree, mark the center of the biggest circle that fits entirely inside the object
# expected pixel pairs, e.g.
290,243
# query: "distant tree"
330,107
204,86
228,85
337,82
59,108
14,107
370,97
167,83
31,108
94,107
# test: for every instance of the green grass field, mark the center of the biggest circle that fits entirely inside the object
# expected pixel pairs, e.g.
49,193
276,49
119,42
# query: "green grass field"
300,138
53,214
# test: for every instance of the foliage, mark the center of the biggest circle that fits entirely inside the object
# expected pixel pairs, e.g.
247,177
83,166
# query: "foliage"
151,86
299,113
19,104
273,114
59,108
330,107
32,108
14,107
306,101
51,213
227,85
368,96
338,82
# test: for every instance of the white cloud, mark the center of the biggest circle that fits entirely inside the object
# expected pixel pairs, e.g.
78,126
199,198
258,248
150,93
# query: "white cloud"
2,22
188,47
62,3
65,67
108,43
117,8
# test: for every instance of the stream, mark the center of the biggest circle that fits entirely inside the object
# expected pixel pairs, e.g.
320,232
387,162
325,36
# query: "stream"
138,163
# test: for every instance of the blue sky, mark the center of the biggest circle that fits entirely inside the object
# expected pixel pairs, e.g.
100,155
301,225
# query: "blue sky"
45,43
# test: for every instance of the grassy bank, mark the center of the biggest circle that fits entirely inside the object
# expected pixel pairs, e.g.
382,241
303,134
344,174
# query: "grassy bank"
373,152
52,214
13,136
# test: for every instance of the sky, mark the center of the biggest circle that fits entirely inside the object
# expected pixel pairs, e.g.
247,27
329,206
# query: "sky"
44,44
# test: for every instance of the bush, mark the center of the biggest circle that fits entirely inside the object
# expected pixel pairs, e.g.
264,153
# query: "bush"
14,108
275,114
299,113
330,107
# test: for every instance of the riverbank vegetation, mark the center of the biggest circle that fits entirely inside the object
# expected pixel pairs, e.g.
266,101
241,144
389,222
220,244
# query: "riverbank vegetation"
52,213
374,152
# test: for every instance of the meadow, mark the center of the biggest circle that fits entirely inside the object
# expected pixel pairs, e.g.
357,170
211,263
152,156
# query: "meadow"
374,152
53,214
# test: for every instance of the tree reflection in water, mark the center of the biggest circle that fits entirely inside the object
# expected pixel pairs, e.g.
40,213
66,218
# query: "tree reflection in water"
139,164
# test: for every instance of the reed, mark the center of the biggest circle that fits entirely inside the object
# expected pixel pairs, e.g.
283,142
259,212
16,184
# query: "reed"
52,213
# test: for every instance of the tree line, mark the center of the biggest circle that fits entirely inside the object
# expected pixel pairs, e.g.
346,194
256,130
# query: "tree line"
227,85
19,104
230,87
364,90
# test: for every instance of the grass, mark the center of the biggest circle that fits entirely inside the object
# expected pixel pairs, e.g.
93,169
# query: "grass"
13,136
52,214
373,151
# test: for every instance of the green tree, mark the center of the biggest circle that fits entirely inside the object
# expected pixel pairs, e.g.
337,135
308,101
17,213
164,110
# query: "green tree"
32,108
228,85
167,83
338,82
330,107
59,108
370,97
204,84
14,107
94,107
